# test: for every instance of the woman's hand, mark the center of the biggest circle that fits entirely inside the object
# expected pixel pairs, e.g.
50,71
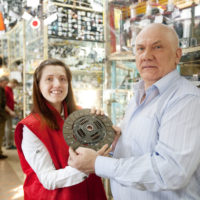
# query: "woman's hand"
97,111
83,158
104,151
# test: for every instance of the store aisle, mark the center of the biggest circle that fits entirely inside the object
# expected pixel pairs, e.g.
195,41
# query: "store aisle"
11,177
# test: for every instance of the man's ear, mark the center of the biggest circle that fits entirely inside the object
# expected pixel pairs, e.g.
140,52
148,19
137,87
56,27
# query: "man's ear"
178,55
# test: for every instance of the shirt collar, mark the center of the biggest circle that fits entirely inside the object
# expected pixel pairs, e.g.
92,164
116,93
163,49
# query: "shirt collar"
62,114
160,85
166,81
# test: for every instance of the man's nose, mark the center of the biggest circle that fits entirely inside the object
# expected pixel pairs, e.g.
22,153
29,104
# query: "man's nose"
147,54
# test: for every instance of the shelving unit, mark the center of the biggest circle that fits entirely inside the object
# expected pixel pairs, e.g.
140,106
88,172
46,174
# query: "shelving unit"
15,44
80,54
124,21
85,55
1,48
190,49
4,49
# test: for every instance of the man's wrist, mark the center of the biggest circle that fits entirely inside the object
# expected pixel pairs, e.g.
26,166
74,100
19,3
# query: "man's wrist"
105,166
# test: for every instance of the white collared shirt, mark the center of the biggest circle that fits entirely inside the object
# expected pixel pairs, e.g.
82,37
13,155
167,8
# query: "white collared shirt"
38,157
157,156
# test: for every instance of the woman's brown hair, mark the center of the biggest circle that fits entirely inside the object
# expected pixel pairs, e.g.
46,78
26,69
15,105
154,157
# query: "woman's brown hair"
39,102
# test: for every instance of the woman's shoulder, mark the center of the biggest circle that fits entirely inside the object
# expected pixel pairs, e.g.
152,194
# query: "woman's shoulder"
32,119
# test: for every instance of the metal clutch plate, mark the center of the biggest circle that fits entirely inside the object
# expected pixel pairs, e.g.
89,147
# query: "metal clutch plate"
81,128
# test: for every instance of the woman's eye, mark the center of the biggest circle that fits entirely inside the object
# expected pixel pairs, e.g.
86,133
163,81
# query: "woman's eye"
49,79
63,79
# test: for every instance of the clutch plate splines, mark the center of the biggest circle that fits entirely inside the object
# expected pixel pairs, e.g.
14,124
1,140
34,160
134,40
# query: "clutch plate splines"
81,128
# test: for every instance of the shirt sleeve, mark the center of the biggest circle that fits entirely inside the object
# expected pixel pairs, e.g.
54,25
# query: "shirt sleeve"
175,158
40,161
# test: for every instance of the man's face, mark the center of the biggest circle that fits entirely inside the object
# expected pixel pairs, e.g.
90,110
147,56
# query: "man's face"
3,84
156,54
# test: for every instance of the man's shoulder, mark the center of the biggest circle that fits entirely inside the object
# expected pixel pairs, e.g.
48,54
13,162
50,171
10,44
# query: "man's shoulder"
186,87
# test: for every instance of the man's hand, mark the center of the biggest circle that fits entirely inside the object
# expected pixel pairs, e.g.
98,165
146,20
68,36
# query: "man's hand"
83,159
12,113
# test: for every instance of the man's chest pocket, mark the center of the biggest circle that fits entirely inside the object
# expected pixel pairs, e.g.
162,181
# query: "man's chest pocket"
144,135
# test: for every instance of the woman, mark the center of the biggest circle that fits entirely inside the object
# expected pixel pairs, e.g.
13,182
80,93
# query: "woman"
42,149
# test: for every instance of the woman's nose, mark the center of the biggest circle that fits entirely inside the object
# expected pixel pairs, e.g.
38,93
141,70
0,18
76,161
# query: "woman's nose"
56,82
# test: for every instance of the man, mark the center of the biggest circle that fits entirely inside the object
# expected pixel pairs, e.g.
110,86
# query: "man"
9,139
3,115
157,156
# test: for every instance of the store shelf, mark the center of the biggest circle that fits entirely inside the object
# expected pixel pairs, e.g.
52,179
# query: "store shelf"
89,71
191,49
84,57
125,20
123,56
122,90
75,7
16,60
34,40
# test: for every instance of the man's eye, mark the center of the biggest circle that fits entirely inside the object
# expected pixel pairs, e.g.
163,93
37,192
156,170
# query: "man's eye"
139,49
157,47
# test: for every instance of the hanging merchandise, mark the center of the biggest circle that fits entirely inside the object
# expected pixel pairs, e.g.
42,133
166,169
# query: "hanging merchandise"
26,16
170,6
35,23
33,4
51,19
75,24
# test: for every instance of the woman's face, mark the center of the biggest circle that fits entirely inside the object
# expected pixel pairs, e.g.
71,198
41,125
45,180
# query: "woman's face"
54,85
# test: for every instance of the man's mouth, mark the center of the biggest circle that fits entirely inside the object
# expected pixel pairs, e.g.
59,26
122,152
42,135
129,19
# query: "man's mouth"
148,66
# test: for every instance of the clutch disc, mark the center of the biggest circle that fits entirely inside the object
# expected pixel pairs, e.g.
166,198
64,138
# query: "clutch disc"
81,128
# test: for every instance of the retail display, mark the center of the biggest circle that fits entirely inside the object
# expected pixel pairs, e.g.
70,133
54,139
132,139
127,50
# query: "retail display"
98,47
85,55
77,24
74,32
4,50
125,20
15,40
84,129
12,11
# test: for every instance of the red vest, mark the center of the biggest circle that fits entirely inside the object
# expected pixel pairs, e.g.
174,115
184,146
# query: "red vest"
90,189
